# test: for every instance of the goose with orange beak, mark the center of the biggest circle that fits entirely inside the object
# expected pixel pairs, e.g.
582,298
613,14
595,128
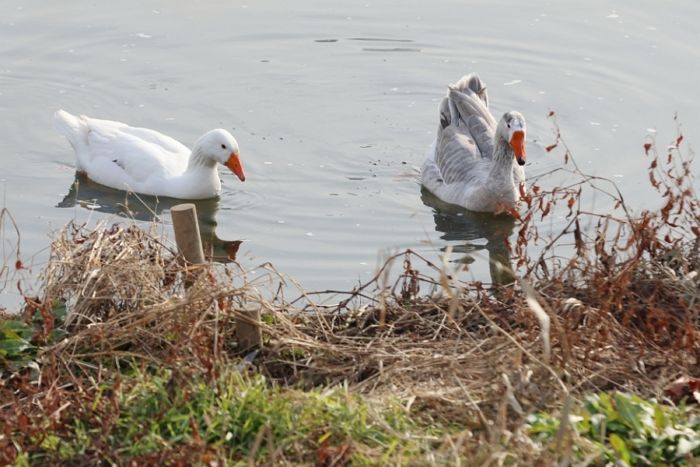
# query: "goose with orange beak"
475,162
148,162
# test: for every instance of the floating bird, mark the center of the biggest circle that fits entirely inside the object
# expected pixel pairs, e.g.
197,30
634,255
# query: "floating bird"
475,162
146,161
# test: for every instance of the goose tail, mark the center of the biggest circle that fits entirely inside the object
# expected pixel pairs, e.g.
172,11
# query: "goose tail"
470,97
69,125
473,83
75,129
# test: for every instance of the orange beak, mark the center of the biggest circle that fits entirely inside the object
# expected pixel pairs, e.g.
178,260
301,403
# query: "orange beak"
234,163
517,142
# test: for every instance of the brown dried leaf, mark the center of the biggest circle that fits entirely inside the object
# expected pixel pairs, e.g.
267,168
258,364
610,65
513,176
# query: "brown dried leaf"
570,204
524,196
509,247
580,244
653,181
510,210
23,422
546,210
328,455
683,387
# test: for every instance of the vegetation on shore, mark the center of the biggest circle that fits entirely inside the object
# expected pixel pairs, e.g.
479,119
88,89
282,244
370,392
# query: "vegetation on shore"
589,357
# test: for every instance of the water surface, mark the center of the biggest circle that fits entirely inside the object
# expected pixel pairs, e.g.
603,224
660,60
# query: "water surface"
333,105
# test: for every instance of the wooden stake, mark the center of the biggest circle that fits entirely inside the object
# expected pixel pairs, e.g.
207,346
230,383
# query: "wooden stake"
187,237
189,243
248,330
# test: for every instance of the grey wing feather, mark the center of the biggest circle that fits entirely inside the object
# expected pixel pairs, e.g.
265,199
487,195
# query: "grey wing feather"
445,116
469,97
483,134
465,133
455,154
468,104
474,83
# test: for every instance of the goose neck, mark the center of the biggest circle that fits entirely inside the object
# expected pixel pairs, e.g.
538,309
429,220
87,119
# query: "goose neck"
503,157
199,160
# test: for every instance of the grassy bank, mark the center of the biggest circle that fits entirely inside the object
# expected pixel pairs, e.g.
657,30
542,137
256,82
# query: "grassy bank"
129,356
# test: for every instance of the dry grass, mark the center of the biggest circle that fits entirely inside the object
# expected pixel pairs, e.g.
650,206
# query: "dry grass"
127,297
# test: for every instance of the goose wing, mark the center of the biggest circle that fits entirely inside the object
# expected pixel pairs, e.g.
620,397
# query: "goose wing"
473,83
124,154
470,97
467,102
483,135
456,154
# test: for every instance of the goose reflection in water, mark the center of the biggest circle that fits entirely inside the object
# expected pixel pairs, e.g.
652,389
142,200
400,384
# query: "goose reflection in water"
460,225
91,195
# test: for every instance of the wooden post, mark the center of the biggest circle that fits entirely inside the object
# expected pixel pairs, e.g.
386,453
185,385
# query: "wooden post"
187,235
248,329
189,243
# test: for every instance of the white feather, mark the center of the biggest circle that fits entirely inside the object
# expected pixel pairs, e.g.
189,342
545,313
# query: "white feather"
146,161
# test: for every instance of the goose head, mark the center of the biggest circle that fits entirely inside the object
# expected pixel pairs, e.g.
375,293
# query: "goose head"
220,146
511,128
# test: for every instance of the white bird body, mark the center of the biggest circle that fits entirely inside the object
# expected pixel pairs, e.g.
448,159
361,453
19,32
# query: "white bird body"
472,162
146,161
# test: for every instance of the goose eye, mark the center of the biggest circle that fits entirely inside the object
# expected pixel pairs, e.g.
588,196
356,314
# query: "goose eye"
509,125
223,146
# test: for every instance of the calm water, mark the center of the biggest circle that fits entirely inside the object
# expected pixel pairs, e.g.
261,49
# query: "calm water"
333,105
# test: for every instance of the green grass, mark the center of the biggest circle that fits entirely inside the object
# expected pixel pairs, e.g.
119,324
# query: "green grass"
18,338
615,427
16,349
235,417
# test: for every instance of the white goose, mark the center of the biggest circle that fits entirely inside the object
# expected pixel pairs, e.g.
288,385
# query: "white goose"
145,161
472,162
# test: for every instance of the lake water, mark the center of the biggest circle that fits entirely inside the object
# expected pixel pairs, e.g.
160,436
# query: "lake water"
333,105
